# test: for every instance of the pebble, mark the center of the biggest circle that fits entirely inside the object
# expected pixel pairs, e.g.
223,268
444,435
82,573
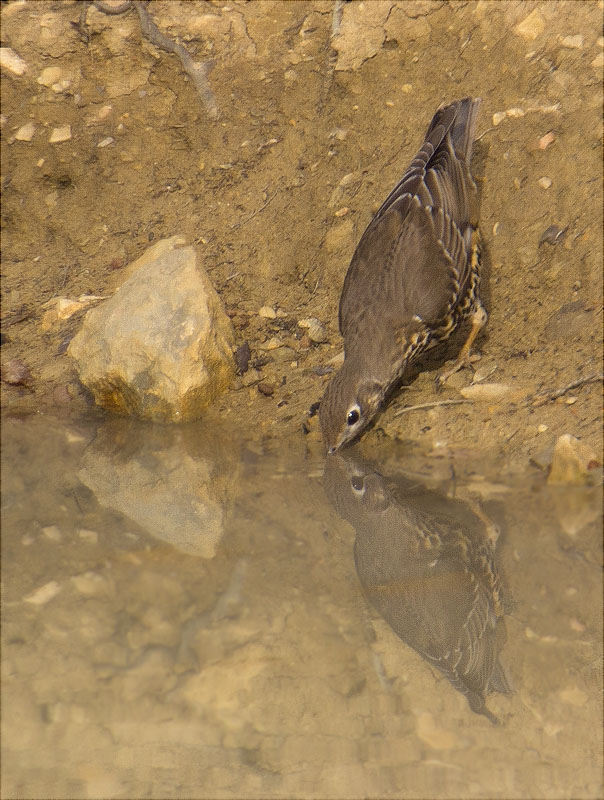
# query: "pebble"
267,312
552,235
598,61
49,76
341,212
545,182
61,134
26,132
531,26
484,371
573,42
337,360
44,594
545,141
242,358
273,344
16,372
542,428
266,389
498,117
89,536
316,330
572,461
106,141
11,61
52,532
491,391
250,377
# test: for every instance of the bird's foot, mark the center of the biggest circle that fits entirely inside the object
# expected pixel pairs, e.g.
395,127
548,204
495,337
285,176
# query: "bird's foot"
445,374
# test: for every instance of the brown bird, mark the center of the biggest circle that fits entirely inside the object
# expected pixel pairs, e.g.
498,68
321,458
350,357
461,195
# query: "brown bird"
427,565
413,278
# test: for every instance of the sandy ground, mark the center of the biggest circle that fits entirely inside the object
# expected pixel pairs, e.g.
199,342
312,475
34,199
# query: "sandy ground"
260,188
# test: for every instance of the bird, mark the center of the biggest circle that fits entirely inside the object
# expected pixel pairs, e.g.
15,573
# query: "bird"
413,279
427,564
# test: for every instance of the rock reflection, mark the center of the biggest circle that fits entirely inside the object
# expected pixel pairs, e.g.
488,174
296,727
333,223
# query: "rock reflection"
426,563
171,481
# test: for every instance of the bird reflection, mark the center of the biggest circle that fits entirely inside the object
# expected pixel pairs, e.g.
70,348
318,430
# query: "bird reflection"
426,563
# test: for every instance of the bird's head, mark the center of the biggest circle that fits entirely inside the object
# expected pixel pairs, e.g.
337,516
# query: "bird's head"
349,404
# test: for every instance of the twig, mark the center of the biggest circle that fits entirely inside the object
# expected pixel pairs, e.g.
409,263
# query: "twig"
436,404
540,398
255,213
197,71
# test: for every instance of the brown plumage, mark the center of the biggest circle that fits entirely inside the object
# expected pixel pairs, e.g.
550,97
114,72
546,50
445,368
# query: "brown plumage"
413,278
427,565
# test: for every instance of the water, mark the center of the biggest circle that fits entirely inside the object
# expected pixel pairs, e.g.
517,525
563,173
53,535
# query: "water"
183,617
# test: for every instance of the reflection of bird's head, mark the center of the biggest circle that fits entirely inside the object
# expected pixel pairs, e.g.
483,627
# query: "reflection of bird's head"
349,404
356,492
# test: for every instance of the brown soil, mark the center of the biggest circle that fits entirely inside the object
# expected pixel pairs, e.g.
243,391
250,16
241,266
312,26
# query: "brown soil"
255,188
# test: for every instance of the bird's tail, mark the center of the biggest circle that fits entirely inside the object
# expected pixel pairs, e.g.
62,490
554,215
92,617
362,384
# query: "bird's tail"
458,119
464,126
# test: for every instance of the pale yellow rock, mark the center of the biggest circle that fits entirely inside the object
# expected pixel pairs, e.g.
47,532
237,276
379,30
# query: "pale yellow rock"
26,132
531,26
60,134
12,62
44,594
598,61
572,42
491,392
49,76
267,312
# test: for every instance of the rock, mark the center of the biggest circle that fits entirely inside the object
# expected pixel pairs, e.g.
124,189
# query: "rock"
552,235
61,134
26,132
44,594
242,358
572,461
273,344
572,42
266,389
361,33
498,118
598,61
10,61
174,489
545,182
16,373
267,312
531,26
546,140
49,76
160,348
484,371
491,392
316,329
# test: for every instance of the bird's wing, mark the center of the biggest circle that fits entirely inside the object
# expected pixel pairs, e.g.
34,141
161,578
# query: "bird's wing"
414,256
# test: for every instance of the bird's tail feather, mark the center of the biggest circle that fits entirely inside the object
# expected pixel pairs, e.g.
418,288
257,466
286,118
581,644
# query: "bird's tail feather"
463,129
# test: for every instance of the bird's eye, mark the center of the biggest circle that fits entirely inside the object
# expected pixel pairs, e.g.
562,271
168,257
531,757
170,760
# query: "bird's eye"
353,416
358,484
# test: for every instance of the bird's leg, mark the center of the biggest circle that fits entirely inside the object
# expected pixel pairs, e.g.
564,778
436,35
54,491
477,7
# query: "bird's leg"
479,318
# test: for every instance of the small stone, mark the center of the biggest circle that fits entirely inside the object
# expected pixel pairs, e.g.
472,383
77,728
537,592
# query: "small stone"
89,583
106,141
572,461
16,373
598,61
26,132
407,88
498,118
316,330
337,360
546,140
552,235
242,358
267,312
61,134
542,428
573,42
61,86
531,26
515,113
483,372
545,182
491,392
273,344
305,342
49,76
341,212
570,401
44,594
266,389
86,535
11,61
52,532
251,377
